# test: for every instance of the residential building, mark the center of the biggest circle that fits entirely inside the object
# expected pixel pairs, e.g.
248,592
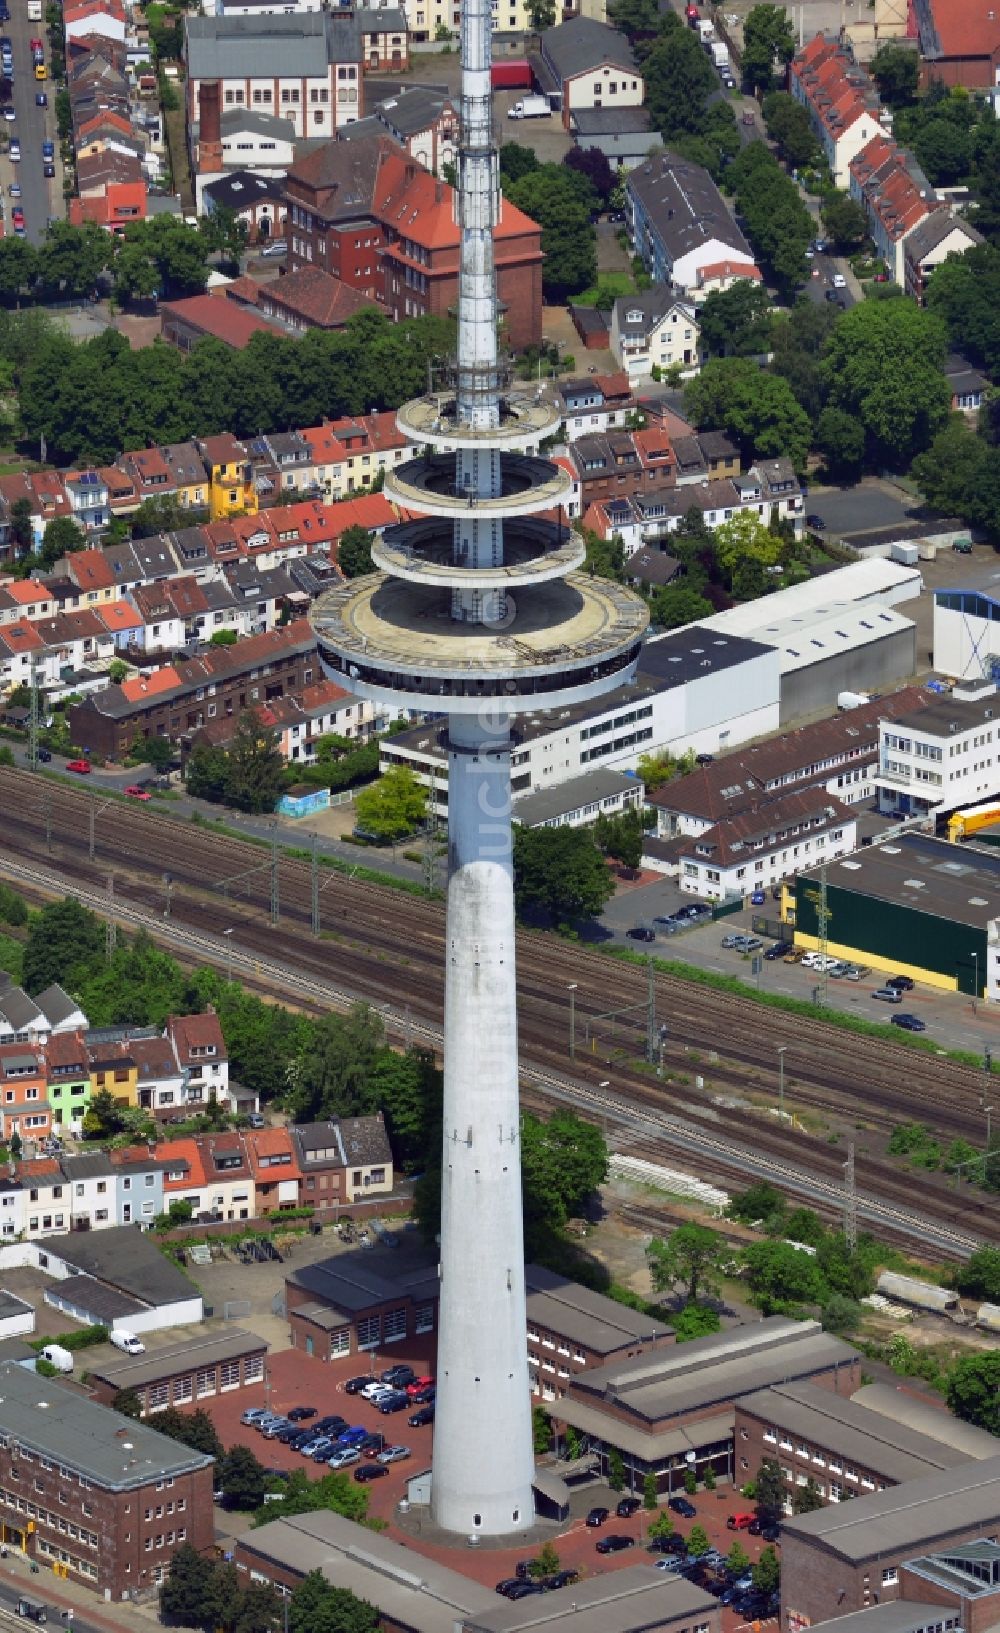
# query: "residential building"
110,1522
680,226
580,801
305,67
959,45
300,722
939,235
622,464
759,848
967,386
275,1168
623,135
200,1051
840,1559
342,1161
943,757
25,1109
894,906
590,65
840,99
653,329
230,472
88,496
594,405
67,1076
895,195
256,199
177,700
384,39
212,1174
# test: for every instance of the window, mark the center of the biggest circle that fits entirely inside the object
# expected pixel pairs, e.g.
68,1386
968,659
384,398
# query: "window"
889,1575
205,1383
423,1318
395,1325
369,1332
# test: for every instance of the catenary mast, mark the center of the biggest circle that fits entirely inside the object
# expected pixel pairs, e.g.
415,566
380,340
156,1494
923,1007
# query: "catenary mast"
477,616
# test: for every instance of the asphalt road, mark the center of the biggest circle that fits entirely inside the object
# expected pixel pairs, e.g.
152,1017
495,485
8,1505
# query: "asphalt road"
39,198
822,268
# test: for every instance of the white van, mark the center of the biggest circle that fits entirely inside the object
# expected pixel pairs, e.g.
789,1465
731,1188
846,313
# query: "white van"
58,1357
127,1341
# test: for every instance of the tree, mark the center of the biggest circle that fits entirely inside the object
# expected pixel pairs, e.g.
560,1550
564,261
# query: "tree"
768,39
127,1403
883,365
770,1486
194,1429
330,1076
746,540
354,551
241,1478
592,163
845,222
650,1501
391,808
841,1315
545,1562
959,475
62,940
797,340
62,537
692,1255
788,126
541,1431
225,233
767,1572
117,671
737,1559
162,513
621,837
163,256
71,259
694,1321
778,1273
255,768
206,772
185,1590
559,874
759,410
563,1162
224,637
18,267
974,1390
896,71
778,224
553,196
318,1607
737,322
517,161
840,438
679,81
979,1277
698,1542
763,1202
674,605
806,1499
541,14
20,513
616,1470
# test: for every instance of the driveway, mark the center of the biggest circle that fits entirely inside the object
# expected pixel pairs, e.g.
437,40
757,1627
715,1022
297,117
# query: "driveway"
864,507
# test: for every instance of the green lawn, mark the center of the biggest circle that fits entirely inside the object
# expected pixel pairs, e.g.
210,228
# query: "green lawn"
613,283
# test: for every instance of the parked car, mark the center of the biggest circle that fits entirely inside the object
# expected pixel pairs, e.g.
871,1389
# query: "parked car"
425,1415
671,1565
326,1450
627,1507
43,753
397,1400
641,932
393,1454
332,1424
398,1376
524,1590
888,995
252,1413
674,1544
561,1579
355,1386
778,949
373,1444
372,1391
740,1522
370,1471
271,1430
816,522
615,1544
903,983
733,939
597,1516
856,972
508,1582
81,767
317,1446
909,1023
416,1386
136,791
41,99
839,281
352,1436
343,1456
681,1506
423,1397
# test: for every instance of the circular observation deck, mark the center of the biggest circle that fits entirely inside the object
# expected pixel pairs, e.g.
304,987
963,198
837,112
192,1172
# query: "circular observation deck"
569,639
524,421
534,551
527,485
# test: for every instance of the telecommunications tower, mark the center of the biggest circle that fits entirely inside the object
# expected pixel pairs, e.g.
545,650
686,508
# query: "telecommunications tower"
478,615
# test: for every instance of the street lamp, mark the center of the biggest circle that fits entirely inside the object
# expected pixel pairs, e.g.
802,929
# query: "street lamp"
229,953
975,980
781,1081
571,989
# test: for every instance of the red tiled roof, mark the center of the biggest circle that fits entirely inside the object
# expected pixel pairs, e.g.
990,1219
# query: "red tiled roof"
419,207
880,169
190,1032
150,684
124,202
323,445
117,616
27,590
227,321
315,297
89,570
966,28
730,269
837,101
183,1153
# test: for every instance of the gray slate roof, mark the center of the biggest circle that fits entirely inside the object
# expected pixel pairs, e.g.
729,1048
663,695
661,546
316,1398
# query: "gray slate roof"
299,46
653,304
412,110
56,1005
611,122
684,206
933,230
547,804
127,1259
581,44
115,1452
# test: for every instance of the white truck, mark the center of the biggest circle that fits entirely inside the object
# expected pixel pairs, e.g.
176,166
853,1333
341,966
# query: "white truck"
34,11
720,54
531,107
705,28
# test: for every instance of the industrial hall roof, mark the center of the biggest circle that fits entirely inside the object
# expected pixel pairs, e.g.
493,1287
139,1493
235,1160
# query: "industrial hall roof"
906,1517
297,46
616,1602
957,883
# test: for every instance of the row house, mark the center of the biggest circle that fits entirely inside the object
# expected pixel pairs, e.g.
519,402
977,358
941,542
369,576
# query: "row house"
895,195
25,598
757,849
36,1020
840,99
622,464
299,723
930,244
594,405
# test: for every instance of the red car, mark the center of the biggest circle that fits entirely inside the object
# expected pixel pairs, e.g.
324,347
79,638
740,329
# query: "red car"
36,45
135,792
81,766
417,1385
17,216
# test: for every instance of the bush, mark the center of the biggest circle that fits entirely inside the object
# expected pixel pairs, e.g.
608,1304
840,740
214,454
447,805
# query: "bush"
81,1338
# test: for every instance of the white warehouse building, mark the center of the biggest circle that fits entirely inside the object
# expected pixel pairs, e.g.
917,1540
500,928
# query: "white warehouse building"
966,634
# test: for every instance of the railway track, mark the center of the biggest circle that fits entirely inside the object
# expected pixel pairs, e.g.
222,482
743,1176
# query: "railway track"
639,1110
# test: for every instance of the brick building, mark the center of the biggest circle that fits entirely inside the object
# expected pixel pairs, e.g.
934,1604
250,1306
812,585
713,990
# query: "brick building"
343,1161
366,212
173,1374
100,1494
845,1558
305,67
844,1447
175,701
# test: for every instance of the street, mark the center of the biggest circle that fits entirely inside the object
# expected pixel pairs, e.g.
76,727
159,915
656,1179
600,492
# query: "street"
39,199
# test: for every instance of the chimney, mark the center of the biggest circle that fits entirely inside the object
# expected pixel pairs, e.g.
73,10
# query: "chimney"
210,127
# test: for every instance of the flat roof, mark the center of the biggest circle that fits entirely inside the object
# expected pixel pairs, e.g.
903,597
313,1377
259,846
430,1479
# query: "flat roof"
910,1516
625,1601
808,637
959,883
689,653
407,1588
350,1282
714,1370
934,1422
868,580
546,804
946,716
185,1349
894,1616
116,1452
876,1442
